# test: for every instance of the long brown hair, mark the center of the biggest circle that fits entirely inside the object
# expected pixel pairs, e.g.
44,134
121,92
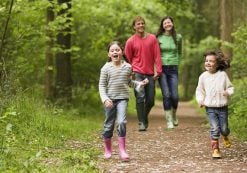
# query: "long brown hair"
223,62
161,29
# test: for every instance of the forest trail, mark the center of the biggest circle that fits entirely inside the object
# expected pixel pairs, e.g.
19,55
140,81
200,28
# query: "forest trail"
184,149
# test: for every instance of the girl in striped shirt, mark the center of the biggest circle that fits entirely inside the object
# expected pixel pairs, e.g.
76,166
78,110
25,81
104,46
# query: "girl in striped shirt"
114,82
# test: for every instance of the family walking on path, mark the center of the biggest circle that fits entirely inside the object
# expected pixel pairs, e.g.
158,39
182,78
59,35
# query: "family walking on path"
145,59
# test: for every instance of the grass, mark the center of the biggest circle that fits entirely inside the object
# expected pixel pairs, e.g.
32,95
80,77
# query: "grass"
37,138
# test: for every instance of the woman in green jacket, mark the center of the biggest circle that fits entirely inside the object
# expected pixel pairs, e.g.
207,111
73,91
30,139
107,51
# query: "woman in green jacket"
171,49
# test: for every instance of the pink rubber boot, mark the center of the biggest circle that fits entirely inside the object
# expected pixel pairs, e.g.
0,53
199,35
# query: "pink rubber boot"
108,148
121,143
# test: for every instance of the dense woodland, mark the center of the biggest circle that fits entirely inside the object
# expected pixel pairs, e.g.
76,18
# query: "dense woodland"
51,52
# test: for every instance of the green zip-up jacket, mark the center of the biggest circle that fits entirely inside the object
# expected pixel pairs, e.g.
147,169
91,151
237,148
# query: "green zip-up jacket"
170,52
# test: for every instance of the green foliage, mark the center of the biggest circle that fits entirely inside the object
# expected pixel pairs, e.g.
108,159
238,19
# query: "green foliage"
192,65
238,109
240,53
32,133
40,138
99,23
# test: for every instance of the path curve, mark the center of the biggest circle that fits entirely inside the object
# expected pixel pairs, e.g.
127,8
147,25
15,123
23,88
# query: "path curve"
184,149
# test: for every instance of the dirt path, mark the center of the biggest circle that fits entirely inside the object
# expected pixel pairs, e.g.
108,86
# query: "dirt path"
184,149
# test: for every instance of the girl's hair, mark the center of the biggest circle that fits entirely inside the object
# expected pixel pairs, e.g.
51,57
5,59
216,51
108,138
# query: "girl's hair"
137,18
121,47
222,61
161,29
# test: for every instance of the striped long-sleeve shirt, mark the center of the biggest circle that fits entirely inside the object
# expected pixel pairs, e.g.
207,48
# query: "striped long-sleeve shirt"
114,81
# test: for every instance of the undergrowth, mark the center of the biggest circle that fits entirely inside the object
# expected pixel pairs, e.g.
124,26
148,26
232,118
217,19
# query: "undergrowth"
40,138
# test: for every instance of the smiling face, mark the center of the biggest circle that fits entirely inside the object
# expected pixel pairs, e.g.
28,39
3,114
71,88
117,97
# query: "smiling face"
211,63
115,53
139,27
167,25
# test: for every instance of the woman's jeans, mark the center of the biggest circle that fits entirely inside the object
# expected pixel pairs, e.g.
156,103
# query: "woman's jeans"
116,113
218,119
144,98
169,86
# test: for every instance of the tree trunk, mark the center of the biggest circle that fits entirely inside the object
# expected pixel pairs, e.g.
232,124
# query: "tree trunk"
49,71
63,58
226,24
3,73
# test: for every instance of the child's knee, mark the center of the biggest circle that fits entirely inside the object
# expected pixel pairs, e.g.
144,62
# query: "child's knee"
225,131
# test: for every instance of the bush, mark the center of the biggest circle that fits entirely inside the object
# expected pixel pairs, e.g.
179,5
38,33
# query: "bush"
238,110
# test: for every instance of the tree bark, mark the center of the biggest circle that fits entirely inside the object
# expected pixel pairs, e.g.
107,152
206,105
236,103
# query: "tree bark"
3,73
63,58
226,24
49,71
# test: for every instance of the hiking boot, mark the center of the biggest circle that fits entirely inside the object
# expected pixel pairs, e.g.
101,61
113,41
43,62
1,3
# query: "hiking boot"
227,142
142,127
216,154
215,148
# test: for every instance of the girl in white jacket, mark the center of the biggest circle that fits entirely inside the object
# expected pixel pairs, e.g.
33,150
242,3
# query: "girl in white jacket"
213,91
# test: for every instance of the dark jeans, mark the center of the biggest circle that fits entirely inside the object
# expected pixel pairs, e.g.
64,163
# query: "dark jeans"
169,86
144,98
218,119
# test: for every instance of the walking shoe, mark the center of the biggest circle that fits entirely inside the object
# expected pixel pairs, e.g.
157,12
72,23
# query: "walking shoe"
142,127
227,142
216,154
215,148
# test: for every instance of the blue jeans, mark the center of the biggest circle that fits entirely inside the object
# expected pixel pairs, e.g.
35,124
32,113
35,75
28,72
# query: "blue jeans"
116,113
169,86
218,119
145,98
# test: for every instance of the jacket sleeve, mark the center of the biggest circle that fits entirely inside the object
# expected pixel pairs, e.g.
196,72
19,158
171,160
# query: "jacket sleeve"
128,51
200,91
103,84
157,57
229,86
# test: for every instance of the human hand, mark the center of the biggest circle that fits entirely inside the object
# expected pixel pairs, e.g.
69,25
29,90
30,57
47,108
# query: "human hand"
144,82
225,93
201,105
156,76
108,103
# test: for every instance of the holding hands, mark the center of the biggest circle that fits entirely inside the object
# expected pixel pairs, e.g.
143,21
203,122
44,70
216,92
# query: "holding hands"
144,82
141,85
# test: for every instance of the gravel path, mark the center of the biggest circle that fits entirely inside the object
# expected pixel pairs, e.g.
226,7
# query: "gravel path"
184,149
